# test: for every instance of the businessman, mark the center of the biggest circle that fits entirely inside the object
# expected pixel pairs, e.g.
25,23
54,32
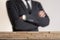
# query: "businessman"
26,15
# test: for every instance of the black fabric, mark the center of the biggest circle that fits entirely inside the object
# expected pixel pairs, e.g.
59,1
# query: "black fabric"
29,9
17,8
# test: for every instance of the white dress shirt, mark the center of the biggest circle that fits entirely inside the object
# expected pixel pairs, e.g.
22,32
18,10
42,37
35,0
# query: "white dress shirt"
29,2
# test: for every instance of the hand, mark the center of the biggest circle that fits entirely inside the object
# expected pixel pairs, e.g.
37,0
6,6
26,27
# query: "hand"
23,17
41,14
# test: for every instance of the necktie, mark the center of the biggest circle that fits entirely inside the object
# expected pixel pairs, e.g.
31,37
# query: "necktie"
29,9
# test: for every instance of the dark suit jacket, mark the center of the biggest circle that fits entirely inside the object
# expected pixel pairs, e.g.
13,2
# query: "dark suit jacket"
16,8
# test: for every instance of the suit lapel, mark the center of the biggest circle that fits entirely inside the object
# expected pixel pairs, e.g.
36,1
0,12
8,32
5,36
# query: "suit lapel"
23,5
33,5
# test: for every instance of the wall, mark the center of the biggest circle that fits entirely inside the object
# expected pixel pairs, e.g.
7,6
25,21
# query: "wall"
51,7
4,21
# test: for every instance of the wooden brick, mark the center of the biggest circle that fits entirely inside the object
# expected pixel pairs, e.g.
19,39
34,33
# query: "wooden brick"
29,35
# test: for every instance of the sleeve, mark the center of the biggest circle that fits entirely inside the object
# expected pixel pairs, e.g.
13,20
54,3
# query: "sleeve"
19,24
43,21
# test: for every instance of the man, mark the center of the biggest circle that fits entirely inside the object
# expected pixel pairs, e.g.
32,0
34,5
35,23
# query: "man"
26,15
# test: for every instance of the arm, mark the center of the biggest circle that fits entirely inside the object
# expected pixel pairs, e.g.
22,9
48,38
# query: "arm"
42,17
19,24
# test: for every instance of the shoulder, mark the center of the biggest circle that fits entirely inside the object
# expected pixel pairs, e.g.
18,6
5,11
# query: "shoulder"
36,2
10,2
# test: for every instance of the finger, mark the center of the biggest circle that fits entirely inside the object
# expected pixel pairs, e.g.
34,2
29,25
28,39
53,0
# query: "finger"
42,14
